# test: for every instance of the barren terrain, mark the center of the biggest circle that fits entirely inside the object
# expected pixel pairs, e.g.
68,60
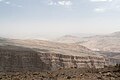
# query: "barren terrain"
108,73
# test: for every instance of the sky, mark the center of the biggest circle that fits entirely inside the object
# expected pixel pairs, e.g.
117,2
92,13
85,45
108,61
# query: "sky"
33,18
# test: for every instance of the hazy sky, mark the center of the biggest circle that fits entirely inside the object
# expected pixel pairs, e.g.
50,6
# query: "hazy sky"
58,17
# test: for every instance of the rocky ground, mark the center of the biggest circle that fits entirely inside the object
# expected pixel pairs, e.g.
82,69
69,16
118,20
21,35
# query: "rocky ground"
108,73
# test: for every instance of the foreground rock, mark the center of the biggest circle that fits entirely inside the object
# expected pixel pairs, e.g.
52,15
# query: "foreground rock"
108,73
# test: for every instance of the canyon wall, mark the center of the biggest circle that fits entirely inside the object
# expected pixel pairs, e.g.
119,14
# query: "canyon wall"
30,60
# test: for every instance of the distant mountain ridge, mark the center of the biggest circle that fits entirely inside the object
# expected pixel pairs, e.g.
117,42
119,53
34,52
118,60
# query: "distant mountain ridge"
72,38
68,39
108,42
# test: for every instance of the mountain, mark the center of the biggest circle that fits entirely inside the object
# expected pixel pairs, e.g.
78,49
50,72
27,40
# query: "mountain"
110,42
72,38
108,45
116,34
39,55
68,39
68,51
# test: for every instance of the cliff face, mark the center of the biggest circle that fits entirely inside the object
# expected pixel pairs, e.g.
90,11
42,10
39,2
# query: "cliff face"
14,58
67,61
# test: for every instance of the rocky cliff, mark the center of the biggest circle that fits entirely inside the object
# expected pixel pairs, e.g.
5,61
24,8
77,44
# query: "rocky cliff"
23,59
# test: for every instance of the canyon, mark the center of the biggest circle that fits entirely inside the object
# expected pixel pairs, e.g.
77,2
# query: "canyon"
43,55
